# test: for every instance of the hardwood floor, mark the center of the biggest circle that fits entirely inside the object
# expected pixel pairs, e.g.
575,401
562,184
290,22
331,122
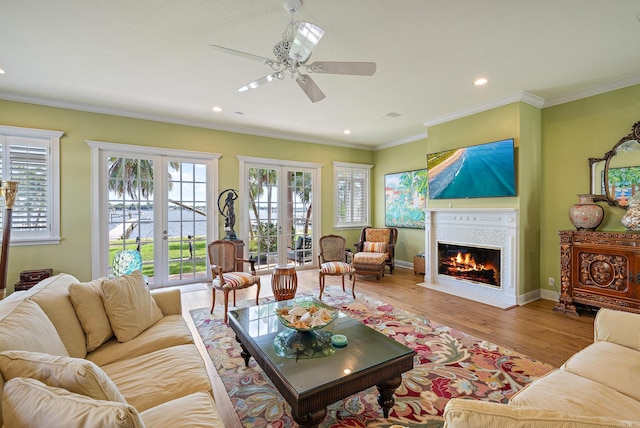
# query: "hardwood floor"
533,329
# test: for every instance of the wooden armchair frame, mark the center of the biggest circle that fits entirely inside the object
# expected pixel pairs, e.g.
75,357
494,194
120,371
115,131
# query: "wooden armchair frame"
223,265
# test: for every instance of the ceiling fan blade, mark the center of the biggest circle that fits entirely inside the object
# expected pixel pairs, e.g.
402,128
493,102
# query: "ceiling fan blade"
354,68
261,81
310,88
306,39
270,62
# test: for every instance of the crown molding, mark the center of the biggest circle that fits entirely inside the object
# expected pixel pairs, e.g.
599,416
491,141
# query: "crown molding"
594,90
410,139
175,121
524,97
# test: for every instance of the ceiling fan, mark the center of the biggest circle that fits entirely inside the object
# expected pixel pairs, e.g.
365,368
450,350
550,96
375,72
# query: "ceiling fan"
292,54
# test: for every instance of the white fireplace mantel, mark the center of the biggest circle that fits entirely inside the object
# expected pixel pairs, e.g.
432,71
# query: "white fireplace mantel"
492,227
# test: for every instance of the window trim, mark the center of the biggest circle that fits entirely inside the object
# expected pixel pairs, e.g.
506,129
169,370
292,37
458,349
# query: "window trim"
337,166
52,139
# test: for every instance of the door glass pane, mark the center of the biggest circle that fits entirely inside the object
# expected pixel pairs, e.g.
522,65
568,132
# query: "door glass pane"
186,243
130,210
263,217
299,225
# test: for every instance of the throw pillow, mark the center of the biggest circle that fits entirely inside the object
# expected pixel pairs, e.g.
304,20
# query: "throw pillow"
374,247
30,403
129,305
87,302
73,374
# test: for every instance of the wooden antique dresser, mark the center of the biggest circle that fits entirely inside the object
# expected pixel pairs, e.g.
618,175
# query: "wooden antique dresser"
599,269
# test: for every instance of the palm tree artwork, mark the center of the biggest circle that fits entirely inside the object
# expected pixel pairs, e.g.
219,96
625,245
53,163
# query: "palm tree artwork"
405,199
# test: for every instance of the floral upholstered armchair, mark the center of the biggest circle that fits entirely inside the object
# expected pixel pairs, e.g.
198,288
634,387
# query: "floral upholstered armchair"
375,250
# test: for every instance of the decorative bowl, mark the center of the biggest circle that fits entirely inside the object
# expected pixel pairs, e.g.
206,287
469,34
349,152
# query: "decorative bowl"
306,316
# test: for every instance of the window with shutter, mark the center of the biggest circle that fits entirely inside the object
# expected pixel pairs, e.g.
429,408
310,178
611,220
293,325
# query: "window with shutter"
31,158
351,192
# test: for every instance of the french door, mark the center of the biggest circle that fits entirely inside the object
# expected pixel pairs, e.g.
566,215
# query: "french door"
278,218
156,205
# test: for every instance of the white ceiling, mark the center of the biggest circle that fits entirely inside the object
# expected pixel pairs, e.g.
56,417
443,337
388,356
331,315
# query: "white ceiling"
150,59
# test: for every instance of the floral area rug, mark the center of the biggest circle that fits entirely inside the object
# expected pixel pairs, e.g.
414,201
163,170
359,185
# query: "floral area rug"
448,364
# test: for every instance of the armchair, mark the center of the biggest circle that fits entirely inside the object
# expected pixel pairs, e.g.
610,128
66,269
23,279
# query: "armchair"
375,251
301,254
223,262
332,261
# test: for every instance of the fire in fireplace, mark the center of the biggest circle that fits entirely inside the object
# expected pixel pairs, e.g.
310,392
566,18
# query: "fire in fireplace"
469,263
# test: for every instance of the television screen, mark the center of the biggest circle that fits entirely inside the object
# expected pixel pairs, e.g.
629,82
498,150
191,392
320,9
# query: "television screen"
482,171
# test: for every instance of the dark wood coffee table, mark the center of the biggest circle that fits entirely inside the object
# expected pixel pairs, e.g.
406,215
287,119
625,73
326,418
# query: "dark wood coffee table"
309,385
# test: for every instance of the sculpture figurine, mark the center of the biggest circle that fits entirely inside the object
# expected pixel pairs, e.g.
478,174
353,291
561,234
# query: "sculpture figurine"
228,212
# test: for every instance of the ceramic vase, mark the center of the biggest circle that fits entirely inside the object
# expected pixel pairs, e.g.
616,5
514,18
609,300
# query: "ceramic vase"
586,214
631,220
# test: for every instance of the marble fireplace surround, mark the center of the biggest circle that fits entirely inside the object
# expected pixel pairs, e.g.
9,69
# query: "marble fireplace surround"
490,227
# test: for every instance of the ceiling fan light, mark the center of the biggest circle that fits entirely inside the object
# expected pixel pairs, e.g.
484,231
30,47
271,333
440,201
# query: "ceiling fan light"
306,39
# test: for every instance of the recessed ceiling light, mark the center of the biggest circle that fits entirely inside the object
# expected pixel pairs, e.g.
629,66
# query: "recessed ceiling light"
347,132
481,81
217,109
1,71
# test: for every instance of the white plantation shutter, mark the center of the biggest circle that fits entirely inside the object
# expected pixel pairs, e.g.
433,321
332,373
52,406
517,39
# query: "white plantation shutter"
28,166
30,157
351,194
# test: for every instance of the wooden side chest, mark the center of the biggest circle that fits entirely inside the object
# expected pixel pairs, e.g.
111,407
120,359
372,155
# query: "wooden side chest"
599,269
418,265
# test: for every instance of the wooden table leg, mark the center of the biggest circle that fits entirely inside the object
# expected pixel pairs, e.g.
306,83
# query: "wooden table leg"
311,420
244,353
386,390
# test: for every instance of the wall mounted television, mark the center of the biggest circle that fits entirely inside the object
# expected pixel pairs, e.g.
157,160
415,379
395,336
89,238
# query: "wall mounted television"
481,171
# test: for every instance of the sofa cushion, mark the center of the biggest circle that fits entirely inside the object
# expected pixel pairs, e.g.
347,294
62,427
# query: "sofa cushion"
482,414
171,330
24,326
618,327
73,374
566,392
369,258
129,305
53,298
609,358
194,410
29,403
87,301
164,375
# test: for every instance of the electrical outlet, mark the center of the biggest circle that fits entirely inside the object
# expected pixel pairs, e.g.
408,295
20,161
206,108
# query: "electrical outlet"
552,281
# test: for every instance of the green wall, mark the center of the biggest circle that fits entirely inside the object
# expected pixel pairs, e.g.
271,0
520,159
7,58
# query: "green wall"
407,157
73,254
572,133
522,122
552,149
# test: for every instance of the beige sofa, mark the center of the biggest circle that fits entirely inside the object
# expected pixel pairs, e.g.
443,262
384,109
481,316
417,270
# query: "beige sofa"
104,353
597,387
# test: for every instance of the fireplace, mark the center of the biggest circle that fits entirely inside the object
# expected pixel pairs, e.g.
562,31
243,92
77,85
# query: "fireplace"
491,235
470,263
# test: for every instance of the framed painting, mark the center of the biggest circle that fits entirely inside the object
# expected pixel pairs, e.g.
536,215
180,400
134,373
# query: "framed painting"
405,199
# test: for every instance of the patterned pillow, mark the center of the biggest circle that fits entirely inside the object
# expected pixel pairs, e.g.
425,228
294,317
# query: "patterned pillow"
374,247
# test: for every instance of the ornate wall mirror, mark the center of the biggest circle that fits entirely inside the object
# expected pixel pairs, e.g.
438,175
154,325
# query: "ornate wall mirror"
615,177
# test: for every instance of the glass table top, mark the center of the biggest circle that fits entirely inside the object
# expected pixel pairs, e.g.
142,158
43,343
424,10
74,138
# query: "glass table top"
366,347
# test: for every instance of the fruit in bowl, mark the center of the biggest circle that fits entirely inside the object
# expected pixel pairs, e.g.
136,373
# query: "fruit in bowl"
306,316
